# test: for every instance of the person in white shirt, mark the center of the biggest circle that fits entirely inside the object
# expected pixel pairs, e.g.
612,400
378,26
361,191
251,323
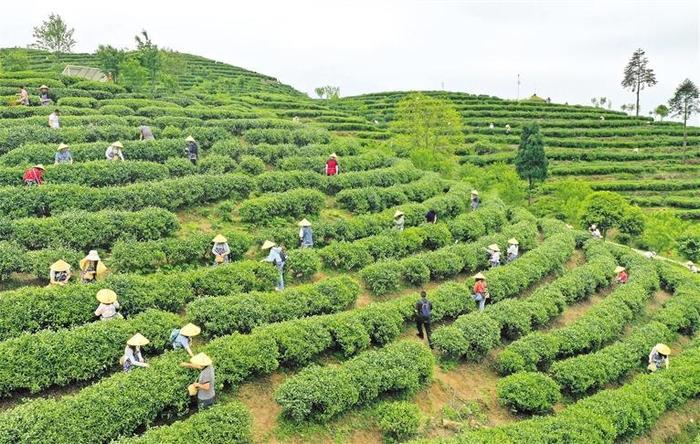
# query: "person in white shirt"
114,151
132,352
691,266
512,251
108,305
54,119
495,253
595,232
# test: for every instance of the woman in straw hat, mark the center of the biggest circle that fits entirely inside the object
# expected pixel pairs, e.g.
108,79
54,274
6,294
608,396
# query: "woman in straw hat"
114,151
481,292
494,255
621,275
474,200
513,249
192,149
62,155
277,258
59,273
34,175
659,357
595,232
399,220
203,387
332,166
44,99
23,96
91,267
108,305
220,250
691,266
181,338
132,352
306,235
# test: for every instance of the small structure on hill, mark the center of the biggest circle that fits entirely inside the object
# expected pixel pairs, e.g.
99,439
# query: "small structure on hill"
84,72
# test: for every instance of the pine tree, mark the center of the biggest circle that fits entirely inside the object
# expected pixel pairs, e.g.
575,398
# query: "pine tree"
684,103
638,75
531,162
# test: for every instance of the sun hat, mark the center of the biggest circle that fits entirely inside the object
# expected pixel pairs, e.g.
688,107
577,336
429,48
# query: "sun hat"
201,360
513,240
137,339
267,245
619,269
494,247
689,264
62,146
479,276
93,256
190,330
190,139
219,239
663,349
39,166
60,265
474,192
333,155
594,226
43,87
106,296
118,144
304,223
398,213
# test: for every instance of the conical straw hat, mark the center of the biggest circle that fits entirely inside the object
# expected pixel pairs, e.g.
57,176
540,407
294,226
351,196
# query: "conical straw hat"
267,245
93,256
494,247
201,360
474,192
190,139
190,330
106,296
619,269
479,276
219,239
118,144
137,339
304,223
62,146
60,265
513,241
398,213
663,349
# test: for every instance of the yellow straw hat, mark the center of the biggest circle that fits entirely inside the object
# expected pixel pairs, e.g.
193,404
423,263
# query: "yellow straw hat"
219,239
93,256
304,223
43,87
106,296
333,156
62,146
689,263
267,245
479,276
190,330
60,265
474,192
494,247
618,269
513,241
39,166
594,226
190,139
201,360
118,144
663,349
398,213
137,339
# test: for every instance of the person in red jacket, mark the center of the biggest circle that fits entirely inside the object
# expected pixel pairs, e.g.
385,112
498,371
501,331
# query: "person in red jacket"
621,275
332,167
34,175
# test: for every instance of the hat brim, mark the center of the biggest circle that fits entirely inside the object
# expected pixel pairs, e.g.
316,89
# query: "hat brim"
190,330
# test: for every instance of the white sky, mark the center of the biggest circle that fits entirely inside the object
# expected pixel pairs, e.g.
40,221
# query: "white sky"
568,50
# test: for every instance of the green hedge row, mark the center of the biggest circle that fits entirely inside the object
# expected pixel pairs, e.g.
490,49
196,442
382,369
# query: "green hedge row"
603,323
612,415
170,194
275,154
63,357
151,151
225,315
94,174
376,199
528,392
31,309
646,185
228,423
323,392
368,161
83,230
298,137
581,374
129,256
471,336
11,138
388,275
294,204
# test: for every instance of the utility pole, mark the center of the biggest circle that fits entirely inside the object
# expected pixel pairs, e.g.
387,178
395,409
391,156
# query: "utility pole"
518,97
442,85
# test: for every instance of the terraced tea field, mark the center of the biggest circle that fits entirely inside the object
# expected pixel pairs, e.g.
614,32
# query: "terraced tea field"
558,355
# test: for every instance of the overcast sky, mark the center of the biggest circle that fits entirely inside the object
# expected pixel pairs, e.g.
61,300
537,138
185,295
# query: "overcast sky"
563,49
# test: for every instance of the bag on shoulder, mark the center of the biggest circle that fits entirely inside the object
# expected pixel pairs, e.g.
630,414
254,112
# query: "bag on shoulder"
425,309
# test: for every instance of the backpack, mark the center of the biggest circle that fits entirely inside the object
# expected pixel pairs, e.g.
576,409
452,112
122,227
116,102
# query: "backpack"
425,309
174,334
283,257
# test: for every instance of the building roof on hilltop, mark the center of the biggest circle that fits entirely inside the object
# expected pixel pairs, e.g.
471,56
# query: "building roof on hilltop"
84,72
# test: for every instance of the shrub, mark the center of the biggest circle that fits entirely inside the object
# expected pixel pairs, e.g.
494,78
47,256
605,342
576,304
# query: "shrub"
251,165
302,263
291,204
11,259
528,392
399,420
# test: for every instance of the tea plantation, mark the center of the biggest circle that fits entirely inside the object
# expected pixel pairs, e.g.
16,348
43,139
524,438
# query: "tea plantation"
558,355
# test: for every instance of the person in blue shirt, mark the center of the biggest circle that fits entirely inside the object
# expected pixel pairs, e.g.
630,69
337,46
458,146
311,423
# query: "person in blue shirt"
306,235
182,338
276,257
62,155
